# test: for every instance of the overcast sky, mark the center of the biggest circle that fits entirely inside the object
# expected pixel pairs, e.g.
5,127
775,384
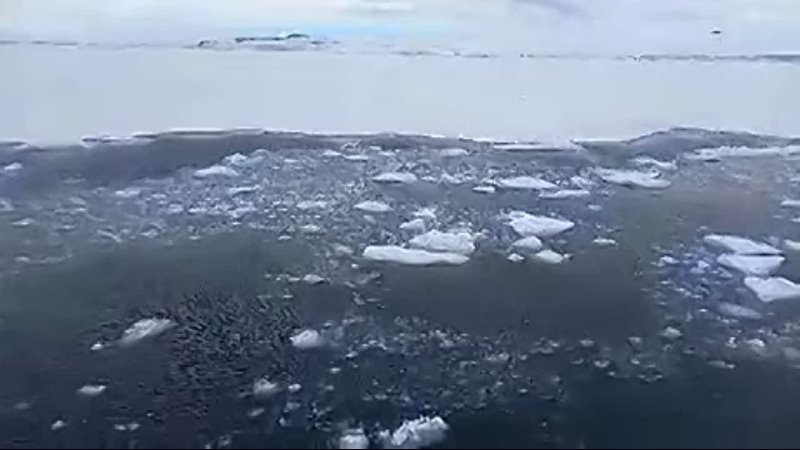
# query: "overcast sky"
613,26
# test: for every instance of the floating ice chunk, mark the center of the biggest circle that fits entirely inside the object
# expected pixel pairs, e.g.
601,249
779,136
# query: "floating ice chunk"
130,192
530,243
425,213
581,182
5,206
453,152
549,257
751,264
243,190
235,159
144,328
525,182
307,339
110,235
740,245
604,242
438,241
393,253
395,178
306,205
738,311
332,154
264,388
216,171
773,289
354,440
22,223
373,206
484,189
13,167
417,225
92,390
313,278
790,203
715,154
529,225
97,346
791,245
565,193
58,425
357,158
417,433
652,162
671,333
516,258
310,229
632,178
294,388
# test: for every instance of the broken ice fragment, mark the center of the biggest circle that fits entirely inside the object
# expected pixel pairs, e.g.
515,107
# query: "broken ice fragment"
484,189
92,390
373,206
417,433
525,182
529,225
216,171
354,440
604,242
751,264
516,258
565,193
549,257
530,243
773,289
453,152
307,339
143,329
264,388
632,178
393,253
738,311
417,225
671,333
437,241
313,278
395,178
740,245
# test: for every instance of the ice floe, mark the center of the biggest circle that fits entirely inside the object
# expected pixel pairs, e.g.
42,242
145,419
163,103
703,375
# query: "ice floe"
13,167
216,171
306,205
417,433
264,388
130,192
307,339
437,241
484,189
58,425
395,178
645,161
428,213
453,152
671,333
92,390
144,328
400,255
525,182
310,228
633,178
530,243
740,245
790,203
791,245
604,242
738,311
751,264
516,258
549,257
373,206
715,154
773,289
565,193
313,278
5,206
530,225
417,225
243,190
354,440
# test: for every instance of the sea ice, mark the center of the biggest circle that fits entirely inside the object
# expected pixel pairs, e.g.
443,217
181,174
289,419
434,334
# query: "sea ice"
632,178
549,257
773,289
428,213
525,182
216,171
243,190
417,225
740,245
306,205
92,390
604,242
530,243
417,433
530,225
751,264
516,258
738,311
13,167
646,161
791,245
715,154
393,253
373,206
143,329
438,241
453,152
484,189
395,178
307,339
354,440
58,425
264,388
671,333
130,192
331,154
313,278
538,146
565,193
790,203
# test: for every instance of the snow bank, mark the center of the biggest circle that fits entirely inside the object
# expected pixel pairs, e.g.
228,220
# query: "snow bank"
417,433
395,178
632,178
773,289
751,264
565,193
740,245
438,241
373,206
525,182
307,339
144,328
530,225
393,253
216,171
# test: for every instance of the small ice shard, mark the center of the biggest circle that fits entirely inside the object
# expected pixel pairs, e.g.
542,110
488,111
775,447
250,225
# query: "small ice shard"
484,189
310,229
395,178
342,250
652,162
529,225
773,289
236,159
22,223
751,264
256,412
393,253
632,178
738,311
5,206
354,440
306,205
417,225
307,339
565,193
144,328
667,260
243,190
97,346
313,278
740,245
130,192
791,245
516,258
58,425
587,343
332,154
425,213
294,388
636,342
549,257
757,346
671,333
438,241
373,206
604,242
417,433
175,208
92,390
216,171
357,158
530,243
13,167
525,182
790,203
264,388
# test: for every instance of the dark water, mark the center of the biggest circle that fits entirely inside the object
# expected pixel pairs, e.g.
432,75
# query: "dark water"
509,354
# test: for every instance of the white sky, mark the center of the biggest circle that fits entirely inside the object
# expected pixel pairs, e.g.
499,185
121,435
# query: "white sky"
613,26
